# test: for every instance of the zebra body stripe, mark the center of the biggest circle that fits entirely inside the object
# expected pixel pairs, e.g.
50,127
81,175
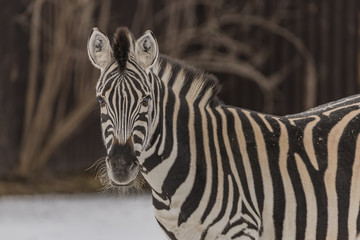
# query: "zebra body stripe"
221,172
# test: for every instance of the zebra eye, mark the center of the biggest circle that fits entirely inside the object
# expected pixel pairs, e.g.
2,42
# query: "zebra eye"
145,101
101,101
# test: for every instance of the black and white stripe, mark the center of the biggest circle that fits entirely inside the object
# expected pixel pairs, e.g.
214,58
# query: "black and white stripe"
221,172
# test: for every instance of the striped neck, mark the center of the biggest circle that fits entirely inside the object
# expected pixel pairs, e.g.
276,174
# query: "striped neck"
178,89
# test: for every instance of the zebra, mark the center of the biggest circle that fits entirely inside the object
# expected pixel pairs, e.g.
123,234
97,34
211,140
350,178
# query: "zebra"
218,171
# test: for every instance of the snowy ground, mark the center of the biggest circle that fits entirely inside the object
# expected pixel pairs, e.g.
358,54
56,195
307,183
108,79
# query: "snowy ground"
78,217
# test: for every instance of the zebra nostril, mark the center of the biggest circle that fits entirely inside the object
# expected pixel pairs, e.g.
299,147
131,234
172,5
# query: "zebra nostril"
133,165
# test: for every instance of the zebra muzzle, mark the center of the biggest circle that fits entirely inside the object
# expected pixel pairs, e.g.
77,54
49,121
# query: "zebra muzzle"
122,164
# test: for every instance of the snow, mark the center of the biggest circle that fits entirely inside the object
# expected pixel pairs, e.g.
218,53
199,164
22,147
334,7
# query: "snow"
80,216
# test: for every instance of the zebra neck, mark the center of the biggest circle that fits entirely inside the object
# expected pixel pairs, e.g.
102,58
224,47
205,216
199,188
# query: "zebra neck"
168,157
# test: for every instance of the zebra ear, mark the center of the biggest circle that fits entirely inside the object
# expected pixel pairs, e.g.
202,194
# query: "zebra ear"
99,49
147,50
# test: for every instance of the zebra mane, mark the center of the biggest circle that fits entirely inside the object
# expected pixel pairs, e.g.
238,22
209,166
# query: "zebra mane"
187,80
121,46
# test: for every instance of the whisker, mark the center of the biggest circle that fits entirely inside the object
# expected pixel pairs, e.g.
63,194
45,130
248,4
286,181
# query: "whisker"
100,170
96,165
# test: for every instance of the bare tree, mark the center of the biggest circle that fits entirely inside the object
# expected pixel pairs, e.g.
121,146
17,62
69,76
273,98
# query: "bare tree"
60,92
217,36
221,32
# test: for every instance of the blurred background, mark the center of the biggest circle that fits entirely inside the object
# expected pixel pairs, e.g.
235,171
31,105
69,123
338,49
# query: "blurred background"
274,56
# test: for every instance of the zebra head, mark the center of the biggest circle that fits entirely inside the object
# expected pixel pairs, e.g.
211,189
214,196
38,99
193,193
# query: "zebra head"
125,96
